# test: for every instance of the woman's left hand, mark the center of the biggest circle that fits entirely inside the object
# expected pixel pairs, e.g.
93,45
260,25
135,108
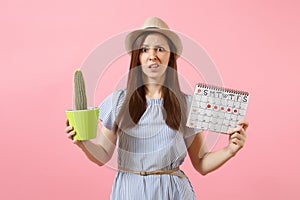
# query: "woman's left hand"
237,137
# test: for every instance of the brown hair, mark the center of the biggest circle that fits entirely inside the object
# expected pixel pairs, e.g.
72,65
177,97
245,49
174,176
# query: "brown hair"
135,103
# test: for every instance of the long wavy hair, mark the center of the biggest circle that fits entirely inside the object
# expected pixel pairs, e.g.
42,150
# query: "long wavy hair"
135,103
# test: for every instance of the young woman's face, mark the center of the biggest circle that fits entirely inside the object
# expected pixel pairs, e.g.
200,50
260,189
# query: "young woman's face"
154,57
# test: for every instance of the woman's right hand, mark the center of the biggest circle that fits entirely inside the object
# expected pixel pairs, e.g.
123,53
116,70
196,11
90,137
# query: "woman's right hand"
71,133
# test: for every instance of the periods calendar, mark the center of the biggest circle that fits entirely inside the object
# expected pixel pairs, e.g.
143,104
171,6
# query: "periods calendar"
217,109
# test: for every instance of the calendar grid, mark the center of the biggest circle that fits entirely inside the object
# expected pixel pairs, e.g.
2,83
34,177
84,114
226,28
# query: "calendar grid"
216,108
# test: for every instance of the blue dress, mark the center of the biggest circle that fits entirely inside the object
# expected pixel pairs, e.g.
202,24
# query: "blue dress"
150,146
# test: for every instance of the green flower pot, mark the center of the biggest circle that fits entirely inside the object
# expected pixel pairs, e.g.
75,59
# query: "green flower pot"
85,123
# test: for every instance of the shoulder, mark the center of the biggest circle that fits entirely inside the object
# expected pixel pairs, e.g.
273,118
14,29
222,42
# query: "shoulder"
114,98
116,95
188,98
110,107
188,101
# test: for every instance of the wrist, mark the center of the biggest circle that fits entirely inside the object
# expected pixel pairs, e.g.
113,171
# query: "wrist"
81,144
229,152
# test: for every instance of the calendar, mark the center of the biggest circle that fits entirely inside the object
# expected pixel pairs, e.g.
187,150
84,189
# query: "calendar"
216,108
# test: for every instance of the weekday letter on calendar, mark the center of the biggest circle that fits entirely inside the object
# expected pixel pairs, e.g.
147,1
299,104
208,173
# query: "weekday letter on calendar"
217,109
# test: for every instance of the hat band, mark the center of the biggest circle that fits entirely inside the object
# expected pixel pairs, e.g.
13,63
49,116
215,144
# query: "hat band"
152,27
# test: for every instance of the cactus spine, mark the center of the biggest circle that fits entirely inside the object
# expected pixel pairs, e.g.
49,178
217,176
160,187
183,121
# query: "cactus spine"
79,91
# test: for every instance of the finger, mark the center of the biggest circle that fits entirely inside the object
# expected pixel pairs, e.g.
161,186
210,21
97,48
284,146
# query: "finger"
244,124
239,143
67,122
71,134
233,130
237,146
68,129
234,141
236,135
239,138
75,141
242,132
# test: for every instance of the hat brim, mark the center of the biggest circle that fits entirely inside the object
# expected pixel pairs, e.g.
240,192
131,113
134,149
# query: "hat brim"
131,37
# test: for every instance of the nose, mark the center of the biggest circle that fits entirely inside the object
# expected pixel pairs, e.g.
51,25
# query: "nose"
152,54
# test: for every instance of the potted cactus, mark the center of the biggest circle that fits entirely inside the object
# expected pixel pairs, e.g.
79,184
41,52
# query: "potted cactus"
83,119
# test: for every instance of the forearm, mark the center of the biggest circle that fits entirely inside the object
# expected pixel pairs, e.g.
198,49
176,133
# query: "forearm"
95,152
213,160
205,162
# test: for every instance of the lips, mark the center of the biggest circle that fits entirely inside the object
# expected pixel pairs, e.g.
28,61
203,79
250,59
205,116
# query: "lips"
153,66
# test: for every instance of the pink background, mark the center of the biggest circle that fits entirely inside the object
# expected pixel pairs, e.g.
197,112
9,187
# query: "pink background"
255,45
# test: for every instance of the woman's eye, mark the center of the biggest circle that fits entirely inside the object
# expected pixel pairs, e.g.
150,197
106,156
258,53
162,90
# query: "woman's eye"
143,49
160,49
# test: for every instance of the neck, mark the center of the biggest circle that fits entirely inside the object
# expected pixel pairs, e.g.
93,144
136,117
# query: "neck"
153,86
153,91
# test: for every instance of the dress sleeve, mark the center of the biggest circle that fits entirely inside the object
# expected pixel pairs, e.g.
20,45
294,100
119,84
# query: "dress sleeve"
110,107
190,132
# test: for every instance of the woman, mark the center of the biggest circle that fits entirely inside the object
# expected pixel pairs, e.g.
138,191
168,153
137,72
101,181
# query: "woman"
147,124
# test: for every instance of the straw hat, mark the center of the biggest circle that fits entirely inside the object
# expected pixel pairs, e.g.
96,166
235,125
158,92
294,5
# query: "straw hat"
154,24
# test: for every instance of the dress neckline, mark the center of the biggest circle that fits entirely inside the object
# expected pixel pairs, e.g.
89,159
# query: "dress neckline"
154,100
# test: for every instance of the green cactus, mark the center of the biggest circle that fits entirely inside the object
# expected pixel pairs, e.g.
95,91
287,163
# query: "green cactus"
79,91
